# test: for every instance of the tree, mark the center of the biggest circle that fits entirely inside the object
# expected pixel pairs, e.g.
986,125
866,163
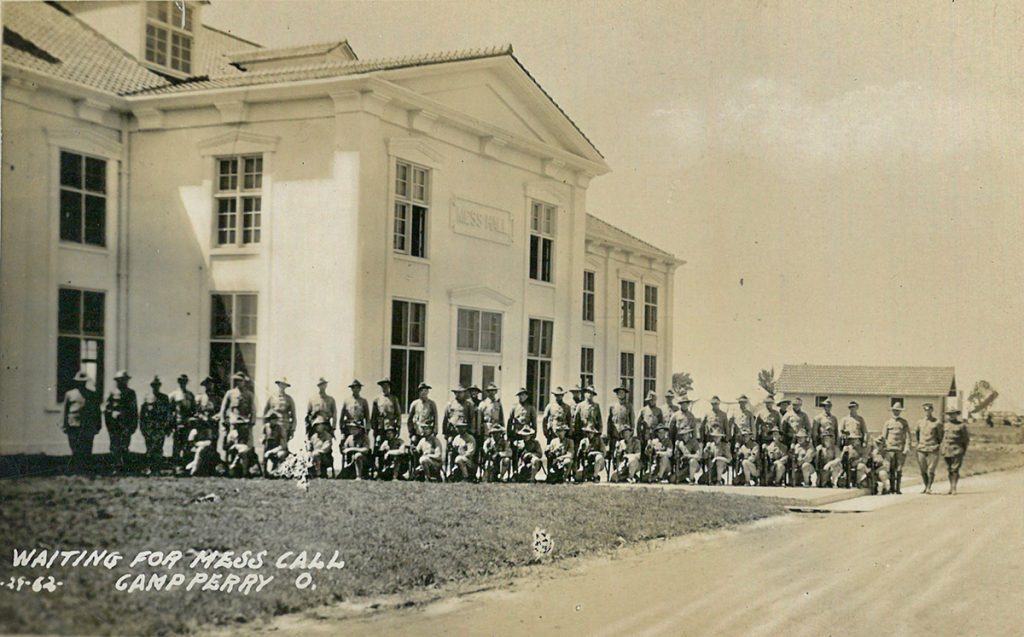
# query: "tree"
682,382
766,379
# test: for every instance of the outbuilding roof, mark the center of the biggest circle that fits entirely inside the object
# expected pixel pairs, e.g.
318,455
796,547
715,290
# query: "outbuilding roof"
867,380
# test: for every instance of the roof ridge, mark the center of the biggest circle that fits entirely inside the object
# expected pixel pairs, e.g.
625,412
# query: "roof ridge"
631,235
232,35
868,366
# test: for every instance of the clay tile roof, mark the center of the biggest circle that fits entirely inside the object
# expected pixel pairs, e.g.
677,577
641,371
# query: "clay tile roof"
334,69
600,229
214,52
42,37
866,380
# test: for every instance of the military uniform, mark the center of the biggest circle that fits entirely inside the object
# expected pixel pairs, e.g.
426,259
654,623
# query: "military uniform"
852,425
392,455
202,445
556,413
777,455
491,410
155,420
284,406
748,452
497,455
560,454
955,439
896,437
880,467
121,413
684,419
620,416
429,451
715,419
794,422
718,453
590,456
80,421
856,456
928,435
824,423
275,443
354,409
384,411
464,451
527,454
829,460
355,449
626,457
659,455
237,404
183,406
524,414
743,419
321,445
422,412
689,456
322,406
587,415
804,457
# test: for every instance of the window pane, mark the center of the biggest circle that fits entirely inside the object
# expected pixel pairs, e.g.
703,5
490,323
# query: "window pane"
69,311
156,45
418,247
490,332
402,180
227,171
220,316
532,337
220,363
547,333
70,170
545,270
466,375
468,331
415,370
419,185
251,219
227,221
535,217
399,318
398,376
534,257
543,392
91,362
549,223
157,10
245,309
532,372
68,361
401,229
95,175
417,323
253,177
95,220
245,358
92,313
487,375
70,216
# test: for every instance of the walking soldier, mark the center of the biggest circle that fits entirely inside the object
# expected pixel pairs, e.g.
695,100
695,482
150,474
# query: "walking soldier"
928,436
121,413
955,440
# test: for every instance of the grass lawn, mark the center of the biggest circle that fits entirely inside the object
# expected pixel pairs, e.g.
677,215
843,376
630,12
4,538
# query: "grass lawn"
392,536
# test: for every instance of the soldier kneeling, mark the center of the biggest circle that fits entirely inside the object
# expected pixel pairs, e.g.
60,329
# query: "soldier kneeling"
275,445
392,455
202,441
879,465
463,445
749,456
530,455
321,447
429,451
719,457
804,456
354,451
627,457
241,454
590,457
829,460
560,455
778,457
497,454
659,456
688,456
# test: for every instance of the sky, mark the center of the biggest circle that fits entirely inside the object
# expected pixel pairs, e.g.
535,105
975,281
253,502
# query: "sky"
844,180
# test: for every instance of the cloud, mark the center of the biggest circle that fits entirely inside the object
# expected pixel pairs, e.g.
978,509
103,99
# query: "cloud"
901,121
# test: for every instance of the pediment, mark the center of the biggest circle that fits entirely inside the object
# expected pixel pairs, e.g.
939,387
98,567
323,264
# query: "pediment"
479,296
238,142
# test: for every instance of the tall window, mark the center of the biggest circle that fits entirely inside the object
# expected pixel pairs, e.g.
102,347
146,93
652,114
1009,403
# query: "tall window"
542,241
538,361
650,308
408,349
239,199
589,286
628,304
233,323
650,373
83,199
626,372
479,331
169,35
586,366
80,315
412,203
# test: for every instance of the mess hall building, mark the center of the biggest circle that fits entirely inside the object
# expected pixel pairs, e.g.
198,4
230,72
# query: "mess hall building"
177,199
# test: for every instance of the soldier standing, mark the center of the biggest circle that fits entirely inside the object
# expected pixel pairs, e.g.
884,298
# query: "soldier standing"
238,402
670,405
354,409
556,413
154,420
80,421
183,407
744,419
649,420
208,402
928,436
422,412
281,403
490,410
684,419
456,412
620,416
852,425
385,412
121,413
955,440
896,434
824,423
322,405
716,419
797,420
586,414
524,414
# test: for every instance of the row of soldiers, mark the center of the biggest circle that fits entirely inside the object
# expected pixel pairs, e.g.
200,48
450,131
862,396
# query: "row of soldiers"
472,438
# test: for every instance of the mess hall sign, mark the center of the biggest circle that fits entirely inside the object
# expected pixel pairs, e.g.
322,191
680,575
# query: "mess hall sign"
483,222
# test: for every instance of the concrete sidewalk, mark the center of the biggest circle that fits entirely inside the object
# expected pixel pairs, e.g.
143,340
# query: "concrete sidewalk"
807,496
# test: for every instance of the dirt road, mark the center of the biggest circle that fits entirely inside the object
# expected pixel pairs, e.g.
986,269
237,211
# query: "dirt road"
934,565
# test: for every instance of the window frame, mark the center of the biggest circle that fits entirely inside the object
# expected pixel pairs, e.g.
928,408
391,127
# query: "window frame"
818,400
406,348
589,296
543,217
650,308
587,356
83,193
238,197
897,399
80,334
171,28
650,373
540,345
235,339
404,241
479,330
627,305
628,380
